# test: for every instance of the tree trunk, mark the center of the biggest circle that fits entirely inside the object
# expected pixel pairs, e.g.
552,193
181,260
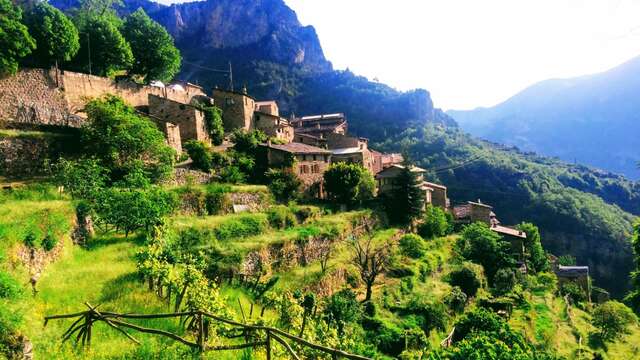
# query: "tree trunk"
179,298
367,296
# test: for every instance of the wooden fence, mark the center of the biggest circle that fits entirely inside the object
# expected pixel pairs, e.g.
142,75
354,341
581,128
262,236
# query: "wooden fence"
82,326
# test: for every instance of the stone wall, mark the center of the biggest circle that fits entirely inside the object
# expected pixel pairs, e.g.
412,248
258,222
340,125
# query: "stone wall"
32,97
190,120
27,156
48,97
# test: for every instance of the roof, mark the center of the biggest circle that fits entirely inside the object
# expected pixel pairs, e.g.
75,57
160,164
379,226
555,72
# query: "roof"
312,129
572,271
480,204
345,151
311,136
266,102
434,185
392,171
233,92
297,148
321,117
509,231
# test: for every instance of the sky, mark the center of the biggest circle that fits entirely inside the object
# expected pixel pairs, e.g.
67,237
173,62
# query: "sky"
471,53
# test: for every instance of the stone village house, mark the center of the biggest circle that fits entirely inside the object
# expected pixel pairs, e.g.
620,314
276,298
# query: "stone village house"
435,194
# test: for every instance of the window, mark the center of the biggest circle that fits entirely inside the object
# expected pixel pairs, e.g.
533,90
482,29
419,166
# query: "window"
304,169
229,101
314,157
182,107
315,169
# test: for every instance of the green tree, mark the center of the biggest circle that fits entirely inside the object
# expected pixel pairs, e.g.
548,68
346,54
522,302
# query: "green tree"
435,223
536,257
485,247
504,281
15,41
342,308
612,319
103,49
466,279
123,141
412,245
633,298
284,184
155,55
200,153
82,178
56,36
348,183
406,202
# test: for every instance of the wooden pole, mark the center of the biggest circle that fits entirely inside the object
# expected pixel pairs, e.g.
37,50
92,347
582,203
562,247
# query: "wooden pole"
201,332
268,345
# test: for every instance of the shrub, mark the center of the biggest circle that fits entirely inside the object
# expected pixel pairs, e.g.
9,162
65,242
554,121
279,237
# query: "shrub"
81,178
281,217
9,287
283,184
478,320
612,320
49,242
412,245
504,281
456,299
306,213
483,246
200,153
10,346
390,339
232,175
342,308
244,226
30,240
435,223
466,279
574,291
192,200
215,198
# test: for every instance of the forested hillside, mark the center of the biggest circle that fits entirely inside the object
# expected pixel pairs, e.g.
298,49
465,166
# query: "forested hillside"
590,119
526,187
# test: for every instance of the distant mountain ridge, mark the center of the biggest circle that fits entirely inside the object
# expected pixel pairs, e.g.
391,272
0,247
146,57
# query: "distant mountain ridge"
593,119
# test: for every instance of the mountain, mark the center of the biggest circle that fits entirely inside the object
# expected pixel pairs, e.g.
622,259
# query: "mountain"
591,119
580,211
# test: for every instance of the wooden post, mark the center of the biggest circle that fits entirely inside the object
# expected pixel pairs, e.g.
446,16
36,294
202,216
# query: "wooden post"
201,345
268,346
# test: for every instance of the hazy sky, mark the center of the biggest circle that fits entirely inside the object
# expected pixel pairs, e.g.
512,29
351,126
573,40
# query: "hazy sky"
470,53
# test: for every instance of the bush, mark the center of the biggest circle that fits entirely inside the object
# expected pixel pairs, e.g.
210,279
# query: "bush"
574,291
215,198
30,240
412,245
9,287
466,279
612,319
232,175
244,226
81,178
281,217
456,299
504,281
49,242
192,200
390,339
483,246
283,184
342,308
436,223
306,213
200,153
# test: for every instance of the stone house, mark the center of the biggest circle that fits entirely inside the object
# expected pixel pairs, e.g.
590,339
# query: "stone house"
438,195
241,111
306,161
187,118
472,212
320,125
576,274
434,195
274,126
351,150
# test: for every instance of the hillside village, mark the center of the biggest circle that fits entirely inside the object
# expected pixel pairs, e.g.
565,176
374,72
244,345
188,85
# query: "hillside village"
143,217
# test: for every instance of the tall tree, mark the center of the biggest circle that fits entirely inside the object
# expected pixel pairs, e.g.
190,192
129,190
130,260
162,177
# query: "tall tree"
633,298
348,183
156,57
124,142
56,37
406,202
483,246
15,41
536,256
103,49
